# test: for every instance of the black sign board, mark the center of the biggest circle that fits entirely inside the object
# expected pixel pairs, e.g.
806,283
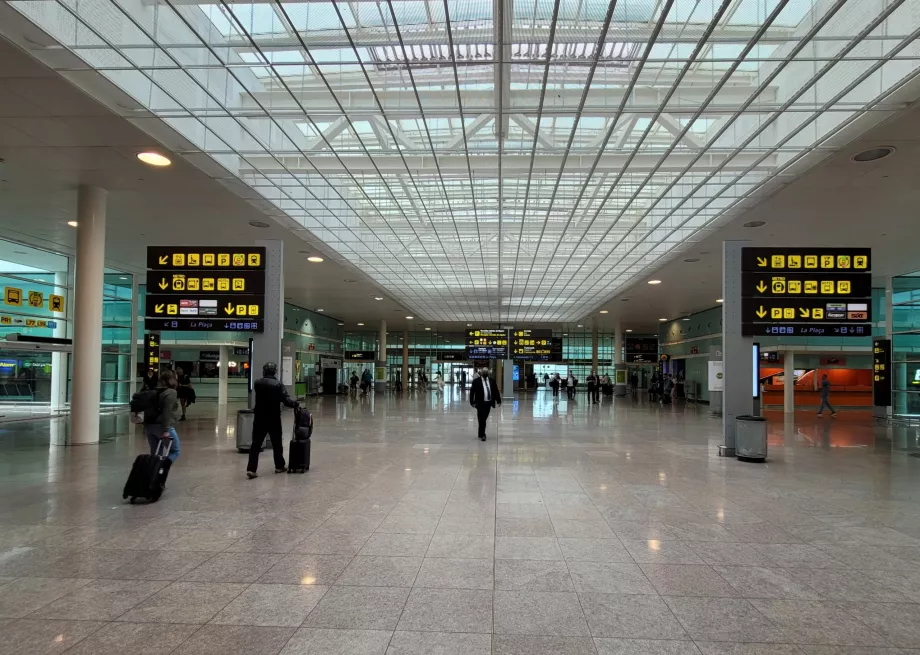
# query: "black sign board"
213,285
152,351
487,344
771,357
203,325
788,329
208,355
804,260
881,372
807,285
241,351
452,355
361,355
534,345
642,350
789,288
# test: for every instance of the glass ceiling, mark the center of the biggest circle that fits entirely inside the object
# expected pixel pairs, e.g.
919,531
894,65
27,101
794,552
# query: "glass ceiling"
503,160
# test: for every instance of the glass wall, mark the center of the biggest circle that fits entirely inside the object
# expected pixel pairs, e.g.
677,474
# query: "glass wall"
905,330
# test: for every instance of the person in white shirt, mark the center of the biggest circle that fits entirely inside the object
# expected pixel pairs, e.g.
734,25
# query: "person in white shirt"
484,395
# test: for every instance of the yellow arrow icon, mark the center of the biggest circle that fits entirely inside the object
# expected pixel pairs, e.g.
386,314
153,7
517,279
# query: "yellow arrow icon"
159,308
761,287
761,261
761,312
164,259
163,283
804,313
229,309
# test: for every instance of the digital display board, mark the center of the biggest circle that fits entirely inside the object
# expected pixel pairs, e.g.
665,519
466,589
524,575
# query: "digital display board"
642,350
361,355
452,356
533,345
487,343
205,288
806,292
881,372
152,351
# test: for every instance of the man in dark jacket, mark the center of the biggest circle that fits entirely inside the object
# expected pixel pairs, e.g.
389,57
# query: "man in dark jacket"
484,395
270,395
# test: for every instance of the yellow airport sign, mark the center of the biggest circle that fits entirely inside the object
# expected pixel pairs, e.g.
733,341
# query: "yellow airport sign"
13,296
56,303
36,299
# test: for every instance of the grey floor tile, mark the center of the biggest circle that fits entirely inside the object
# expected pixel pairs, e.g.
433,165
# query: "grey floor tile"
546,548
185,602
439,643
23,595
313,641
567,528
451,573
43,637
848,585
630,617
158,565
407,524
134,639
235,640
268,541
708,532
764,582
645,647
723,619
396,545
594,550
93,563
639,530
447,610
867,557
359,608
654,551
855,650
761,533
271,605
233,567
896,622
352,523
722,554
207,539
725,648
541,645
325,542
507,510
904,582
524,527
532,575
306,569
609,578
462,546
688,580
100,600
798,556
539,613
380,571
817,622
466,525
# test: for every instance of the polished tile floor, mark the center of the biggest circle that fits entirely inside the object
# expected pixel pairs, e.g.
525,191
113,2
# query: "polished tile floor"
575,529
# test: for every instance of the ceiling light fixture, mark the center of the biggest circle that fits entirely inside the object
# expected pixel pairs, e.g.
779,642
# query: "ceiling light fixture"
259,224
409,318
72,223
654,281
320,309
341,324
662,319
377,298
316,260
360,324
718,300
692,260
628,330
154,159
755,224
604,311
872,154
579,325
427,329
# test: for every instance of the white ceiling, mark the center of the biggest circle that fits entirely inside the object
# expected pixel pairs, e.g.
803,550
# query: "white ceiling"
54,137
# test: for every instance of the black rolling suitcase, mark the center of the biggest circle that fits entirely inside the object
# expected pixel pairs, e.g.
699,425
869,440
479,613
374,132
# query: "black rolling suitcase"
299,451
148,475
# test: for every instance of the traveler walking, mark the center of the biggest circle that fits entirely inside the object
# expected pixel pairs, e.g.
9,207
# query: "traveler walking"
151,379
270,395
159,424
593,384
554,383
484,395
185,391
825,397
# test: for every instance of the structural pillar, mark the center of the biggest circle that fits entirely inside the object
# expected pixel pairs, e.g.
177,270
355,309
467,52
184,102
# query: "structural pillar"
619,371
135,335
405,360
223,370
594,344
507,369
266,345
885,412
380,374
789,382
59,359
87,331
737,360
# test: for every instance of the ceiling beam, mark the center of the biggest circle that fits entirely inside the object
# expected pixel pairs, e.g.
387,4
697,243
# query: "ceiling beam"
334,129
467,133
530,128
502,20
398,134
672,125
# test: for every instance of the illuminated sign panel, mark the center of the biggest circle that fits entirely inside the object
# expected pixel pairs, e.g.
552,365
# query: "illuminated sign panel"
487,344
533,345
881,372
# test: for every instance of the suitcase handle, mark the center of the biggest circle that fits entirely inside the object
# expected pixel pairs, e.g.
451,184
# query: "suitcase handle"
166,445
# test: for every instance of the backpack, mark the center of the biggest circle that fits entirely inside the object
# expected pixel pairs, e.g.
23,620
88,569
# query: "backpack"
303,424
146,401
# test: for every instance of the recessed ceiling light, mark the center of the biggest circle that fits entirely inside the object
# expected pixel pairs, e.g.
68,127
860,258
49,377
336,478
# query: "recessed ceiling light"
122,277
662,319
685,318
755,224
718,300
469,325
261,224
654,281
72,223
154,159
628,330
604,311
341,324
320,309
409,318
360,324
427,329
377,298
873,154
579,325
316,260
565,334
691,260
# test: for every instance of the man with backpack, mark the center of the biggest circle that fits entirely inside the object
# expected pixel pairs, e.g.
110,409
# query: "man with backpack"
158,406
270,394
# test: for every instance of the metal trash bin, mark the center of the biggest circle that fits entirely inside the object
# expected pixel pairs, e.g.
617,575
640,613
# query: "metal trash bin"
751,437
244,419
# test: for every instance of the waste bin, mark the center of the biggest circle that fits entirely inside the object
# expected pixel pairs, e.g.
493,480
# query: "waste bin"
751,437
244,418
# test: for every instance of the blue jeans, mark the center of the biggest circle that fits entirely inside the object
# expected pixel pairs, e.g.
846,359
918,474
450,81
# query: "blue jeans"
153,432
826,403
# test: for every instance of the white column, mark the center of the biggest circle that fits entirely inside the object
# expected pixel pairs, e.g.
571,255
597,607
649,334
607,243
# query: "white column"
59,359
381,384
222,371
789,382
619,388
135,335
594,344
737,367
266,345
87,330
405,361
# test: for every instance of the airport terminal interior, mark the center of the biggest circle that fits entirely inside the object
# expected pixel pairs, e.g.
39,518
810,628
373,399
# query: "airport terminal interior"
595,322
